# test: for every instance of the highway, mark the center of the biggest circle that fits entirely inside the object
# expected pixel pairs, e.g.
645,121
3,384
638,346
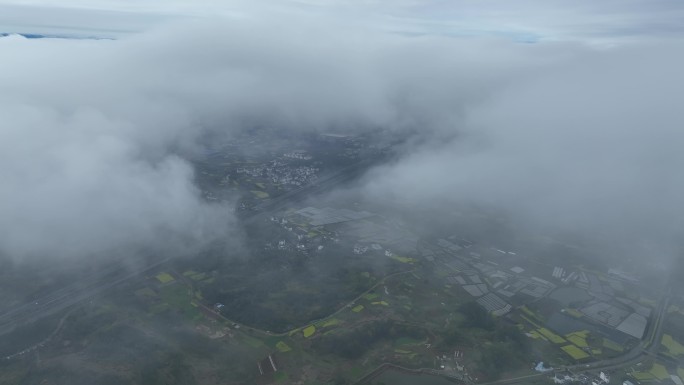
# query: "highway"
69,295
648,347
117,272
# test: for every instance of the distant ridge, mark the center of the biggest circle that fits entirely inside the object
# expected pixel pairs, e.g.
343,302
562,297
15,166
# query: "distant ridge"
27,35
40,36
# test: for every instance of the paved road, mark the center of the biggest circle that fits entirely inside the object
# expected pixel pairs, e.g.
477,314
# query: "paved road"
648,347
116,273
69,295
45,340
331,315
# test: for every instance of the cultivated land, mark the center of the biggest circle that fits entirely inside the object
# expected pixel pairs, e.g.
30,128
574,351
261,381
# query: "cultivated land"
332,291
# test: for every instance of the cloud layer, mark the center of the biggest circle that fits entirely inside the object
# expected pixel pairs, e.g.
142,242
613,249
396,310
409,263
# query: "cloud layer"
94,132
603,23
85,153
590,145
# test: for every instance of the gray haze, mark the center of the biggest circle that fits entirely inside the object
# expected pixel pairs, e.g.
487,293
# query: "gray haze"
589,146
607,22
94,133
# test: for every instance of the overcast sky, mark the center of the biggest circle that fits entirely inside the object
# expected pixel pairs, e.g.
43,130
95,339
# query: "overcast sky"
561,113
604,22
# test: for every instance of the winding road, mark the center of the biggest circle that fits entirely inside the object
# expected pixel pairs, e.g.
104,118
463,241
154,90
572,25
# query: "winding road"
118,272
647,347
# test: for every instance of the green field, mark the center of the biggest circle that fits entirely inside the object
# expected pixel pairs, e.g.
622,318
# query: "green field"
280,376
643,376
578,338
309,331
260,194
251,341
553,337
612,345
673,347
164,277
660,372
575,352
574,312
329,322
403,259
283,347
535,335
531,322
195,276
656,372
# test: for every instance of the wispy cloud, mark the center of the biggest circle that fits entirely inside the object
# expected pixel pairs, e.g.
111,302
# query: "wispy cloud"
94,132
601,23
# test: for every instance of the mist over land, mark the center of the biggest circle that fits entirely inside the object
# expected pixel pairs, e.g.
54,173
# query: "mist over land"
96,132
329,190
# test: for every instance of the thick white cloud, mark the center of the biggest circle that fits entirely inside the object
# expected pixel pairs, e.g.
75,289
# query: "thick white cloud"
93,131
590,146
84,153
